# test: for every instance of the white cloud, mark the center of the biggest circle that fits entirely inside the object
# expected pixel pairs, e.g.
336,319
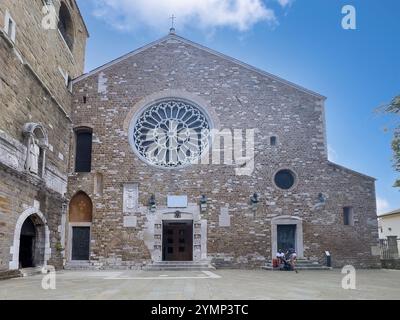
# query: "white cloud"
203,14
285,3
332,154
382,205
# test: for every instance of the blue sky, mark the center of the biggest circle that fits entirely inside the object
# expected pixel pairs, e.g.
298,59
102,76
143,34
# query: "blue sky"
299,40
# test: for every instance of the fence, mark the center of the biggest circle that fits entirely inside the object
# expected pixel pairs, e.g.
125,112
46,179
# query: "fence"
389,248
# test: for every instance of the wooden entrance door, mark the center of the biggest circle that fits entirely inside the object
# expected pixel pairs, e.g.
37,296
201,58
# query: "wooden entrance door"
286,237
178,241
80,243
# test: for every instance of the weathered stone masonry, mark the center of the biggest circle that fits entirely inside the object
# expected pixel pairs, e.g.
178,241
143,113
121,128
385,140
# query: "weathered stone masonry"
34,94
237,98
40,117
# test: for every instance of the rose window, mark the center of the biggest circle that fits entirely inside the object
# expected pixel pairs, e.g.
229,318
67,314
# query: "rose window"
171,133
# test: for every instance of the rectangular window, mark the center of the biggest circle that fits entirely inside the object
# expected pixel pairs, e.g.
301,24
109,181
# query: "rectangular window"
83,157
348,216
273,141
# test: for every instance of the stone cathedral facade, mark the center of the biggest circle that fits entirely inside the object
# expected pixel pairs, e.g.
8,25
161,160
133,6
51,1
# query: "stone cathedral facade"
173,152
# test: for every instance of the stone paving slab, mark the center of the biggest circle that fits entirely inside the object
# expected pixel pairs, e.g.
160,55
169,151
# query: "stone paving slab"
220,284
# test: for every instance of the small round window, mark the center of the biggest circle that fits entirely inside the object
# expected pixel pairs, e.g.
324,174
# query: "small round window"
285,179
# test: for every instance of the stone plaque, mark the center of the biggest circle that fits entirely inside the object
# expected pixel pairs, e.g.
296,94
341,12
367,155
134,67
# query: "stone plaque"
131,195
130,221
224,217
177,201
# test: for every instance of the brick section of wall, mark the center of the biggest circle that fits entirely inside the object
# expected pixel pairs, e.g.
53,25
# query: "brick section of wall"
240,99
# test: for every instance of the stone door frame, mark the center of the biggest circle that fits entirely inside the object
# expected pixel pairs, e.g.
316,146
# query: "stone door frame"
287,220
71,225
165,221
44,241
154,231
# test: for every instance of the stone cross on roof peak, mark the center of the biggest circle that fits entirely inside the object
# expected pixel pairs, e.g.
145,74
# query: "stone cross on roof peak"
172,29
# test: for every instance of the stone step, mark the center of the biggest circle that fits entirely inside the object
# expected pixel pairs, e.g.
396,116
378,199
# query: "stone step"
76,265
5,275
179,266
301,264
180,262
270,268
28,272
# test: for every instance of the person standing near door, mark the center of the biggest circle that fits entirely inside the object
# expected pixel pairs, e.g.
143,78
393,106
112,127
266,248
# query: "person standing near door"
292,259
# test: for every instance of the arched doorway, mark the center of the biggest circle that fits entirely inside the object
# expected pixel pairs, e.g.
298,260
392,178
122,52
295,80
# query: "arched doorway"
27,244
31,246
80,220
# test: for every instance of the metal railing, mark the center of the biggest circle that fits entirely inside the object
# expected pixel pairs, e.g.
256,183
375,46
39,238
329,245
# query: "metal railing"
389,250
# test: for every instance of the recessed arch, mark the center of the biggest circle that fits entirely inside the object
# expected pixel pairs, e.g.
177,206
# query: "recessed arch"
41,250
80,218
81,208
38,131
37,142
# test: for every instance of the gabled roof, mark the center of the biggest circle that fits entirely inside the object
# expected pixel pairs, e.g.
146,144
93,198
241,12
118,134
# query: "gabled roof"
391,213
173,36
350,170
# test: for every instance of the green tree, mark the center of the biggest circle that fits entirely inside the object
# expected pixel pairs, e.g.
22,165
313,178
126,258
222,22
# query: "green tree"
394,107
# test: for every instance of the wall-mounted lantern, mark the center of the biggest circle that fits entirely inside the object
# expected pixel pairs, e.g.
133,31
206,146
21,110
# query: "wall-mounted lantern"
203,203
254,201
152,203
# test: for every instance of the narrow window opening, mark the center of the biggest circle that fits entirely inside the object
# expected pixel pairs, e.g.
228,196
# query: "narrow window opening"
83,156
348,216
273,141
10,26
69,84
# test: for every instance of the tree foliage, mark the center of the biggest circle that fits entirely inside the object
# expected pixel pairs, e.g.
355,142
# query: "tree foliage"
394,107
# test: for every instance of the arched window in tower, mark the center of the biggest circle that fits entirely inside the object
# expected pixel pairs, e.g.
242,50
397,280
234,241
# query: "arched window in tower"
36,146
65,25
83,151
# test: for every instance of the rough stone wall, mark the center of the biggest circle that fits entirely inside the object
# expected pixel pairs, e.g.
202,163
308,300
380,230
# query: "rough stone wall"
18,191
23,100
45,50
32,89
239,99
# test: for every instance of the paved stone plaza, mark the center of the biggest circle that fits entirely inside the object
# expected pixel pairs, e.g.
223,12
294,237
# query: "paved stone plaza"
220,284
